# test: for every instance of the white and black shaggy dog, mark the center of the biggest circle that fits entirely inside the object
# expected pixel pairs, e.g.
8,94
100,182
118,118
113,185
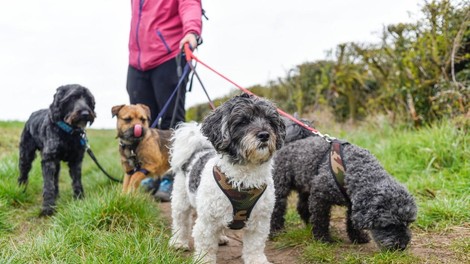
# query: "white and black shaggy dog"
230,158
57,132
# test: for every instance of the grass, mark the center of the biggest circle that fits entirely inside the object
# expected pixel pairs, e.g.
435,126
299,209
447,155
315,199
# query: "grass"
107,227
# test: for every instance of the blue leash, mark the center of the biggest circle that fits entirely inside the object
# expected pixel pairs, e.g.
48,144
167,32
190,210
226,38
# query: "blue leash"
167,104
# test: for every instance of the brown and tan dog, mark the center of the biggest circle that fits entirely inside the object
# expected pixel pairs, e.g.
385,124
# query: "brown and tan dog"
144,150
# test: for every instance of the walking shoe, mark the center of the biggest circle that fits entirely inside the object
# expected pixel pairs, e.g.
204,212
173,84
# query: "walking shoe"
164,191
150,185
147,184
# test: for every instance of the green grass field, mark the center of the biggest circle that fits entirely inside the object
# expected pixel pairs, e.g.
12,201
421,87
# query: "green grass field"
107,227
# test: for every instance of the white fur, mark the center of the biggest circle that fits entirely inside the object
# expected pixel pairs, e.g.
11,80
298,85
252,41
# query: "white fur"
214,210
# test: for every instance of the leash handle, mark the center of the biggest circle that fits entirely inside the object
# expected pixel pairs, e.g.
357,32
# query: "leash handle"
188,52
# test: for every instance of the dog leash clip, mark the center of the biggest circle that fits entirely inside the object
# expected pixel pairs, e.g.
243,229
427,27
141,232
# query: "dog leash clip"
84,140
328,138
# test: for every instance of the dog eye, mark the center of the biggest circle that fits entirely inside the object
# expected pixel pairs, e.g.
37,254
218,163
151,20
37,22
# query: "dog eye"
244,121
127,120
143,120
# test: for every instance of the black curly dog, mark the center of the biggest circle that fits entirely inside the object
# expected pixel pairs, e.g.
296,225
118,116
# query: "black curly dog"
57,133
375,201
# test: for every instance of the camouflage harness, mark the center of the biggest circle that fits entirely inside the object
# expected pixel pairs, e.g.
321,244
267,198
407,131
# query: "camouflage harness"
243,200
337,166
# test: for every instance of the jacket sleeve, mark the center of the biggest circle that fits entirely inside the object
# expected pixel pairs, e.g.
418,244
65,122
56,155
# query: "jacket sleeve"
191,16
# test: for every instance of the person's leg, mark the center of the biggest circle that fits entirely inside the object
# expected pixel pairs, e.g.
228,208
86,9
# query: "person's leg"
140,90
165,79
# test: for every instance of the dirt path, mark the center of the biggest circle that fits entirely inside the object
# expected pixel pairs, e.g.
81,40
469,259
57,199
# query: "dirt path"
429,247
231,253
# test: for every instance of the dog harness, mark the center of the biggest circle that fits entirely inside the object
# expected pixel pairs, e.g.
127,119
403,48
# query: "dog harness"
337,166
243,200
133,157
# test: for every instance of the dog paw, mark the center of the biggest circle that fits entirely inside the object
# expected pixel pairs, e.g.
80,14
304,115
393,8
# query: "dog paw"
47,212
358,236
362,239
274,233
22,181
325,239
256,260
223,240
79,196
179,245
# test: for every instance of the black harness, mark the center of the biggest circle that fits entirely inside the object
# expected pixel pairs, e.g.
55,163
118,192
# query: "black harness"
133,157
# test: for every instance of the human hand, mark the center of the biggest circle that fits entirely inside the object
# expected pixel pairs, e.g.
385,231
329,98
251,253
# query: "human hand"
191,39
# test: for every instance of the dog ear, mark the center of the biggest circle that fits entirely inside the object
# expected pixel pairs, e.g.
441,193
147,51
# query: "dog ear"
280,130
115,110
55,107
380,207
214,127
146,109
367,207
91,99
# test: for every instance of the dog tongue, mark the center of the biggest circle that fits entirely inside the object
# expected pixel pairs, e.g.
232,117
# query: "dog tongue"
137,130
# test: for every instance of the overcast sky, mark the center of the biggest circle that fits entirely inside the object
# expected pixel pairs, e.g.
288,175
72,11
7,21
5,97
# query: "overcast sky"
48,43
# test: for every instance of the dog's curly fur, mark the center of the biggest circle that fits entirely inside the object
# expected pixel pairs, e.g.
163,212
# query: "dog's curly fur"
378,203
74,105
242,136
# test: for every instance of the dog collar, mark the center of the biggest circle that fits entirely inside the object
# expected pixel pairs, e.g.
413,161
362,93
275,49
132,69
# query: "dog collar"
132,146
337,165
242,200
70,130
134,170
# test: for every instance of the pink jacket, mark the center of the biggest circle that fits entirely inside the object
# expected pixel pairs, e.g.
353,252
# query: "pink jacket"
157,27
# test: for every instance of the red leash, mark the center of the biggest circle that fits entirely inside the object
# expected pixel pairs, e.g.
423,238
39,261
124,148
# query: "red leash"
190,56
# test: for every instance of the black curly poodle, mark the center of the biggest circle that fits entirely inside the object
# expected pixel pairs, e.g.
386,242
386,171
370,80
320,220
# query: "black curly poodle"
375,200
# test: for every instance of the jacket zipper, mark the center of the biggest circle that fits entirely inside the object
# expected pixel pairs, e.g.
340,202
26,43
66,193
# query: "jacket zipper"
141,4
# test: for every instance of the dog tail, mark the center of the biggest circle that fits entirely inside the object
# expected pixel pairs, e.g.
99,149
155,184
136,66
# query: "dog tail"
187,140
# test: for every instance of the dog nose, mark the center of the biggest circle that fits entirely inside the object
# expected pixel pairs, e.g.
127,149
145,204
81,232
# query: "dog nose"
402,246
399,246
263,136
85,113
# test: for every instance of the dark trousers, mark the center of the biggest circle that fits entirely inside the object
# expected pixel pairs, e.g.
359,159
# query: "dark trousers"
154,88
